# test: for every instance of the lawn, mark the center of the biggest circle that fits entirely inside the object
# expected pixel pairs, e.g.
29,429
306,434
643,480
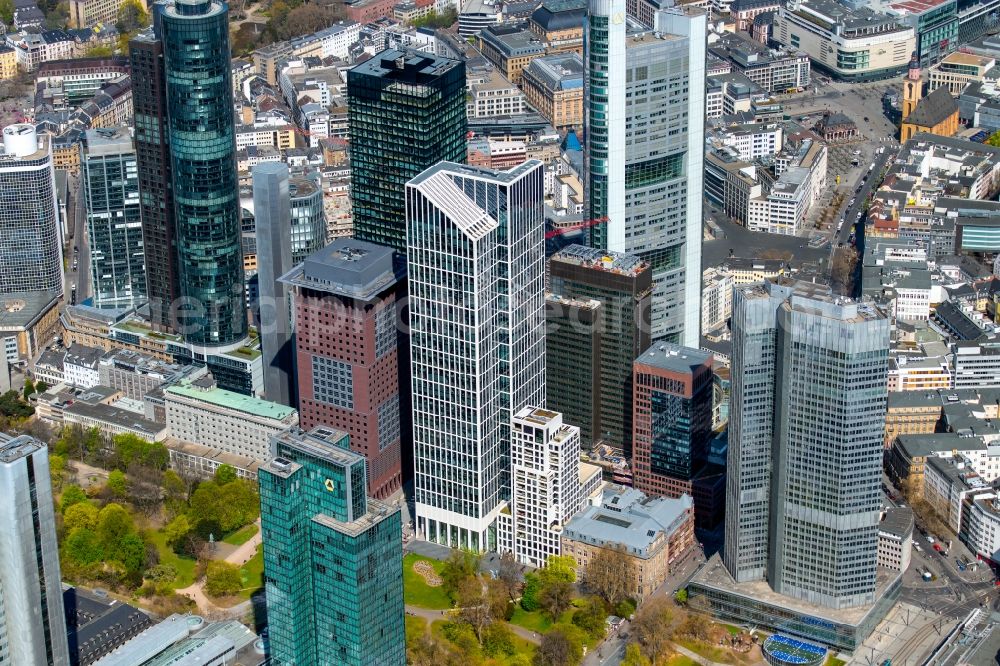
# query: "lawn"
833,661
185,565
733,630
681,660
710,652
522,647
253,574
416,591
241,536
538,620
415,627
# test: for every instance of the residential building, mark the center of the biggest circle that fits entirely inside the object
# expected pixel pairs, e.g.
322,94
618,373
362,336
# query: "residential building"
407,113
473,234
656,533
273,228
350,357
114,226
644,178
948,482
199,411
549,485
672,425
33,622
34,48
799,180
30,232
574,328
850,44
622,286
716,299
895,536
333,558
553,84
81,366
156,194
8,62
510,47
774,427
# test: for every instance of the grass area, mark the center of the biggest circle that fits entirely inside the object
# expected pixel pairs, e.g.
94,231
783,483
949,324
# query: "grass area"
523,647
733,630
253,574
681,660
241,536
415,627
185,565
532,621
710,652
833,661
416,591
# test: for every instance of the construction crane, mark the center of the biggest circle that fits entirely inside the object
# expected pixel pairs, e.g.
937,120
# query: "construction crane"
579,226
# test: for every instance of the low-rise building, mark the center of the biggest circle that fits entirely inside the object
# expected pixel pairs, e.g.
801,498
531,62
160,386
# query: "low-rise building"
8,62
199,411
510,48
776,71
491,95
135,374
716,299
895,538
553,84
948,482
188,639
559,23
203,461
81,366
29,321
957,70
111,418
655,533
911,412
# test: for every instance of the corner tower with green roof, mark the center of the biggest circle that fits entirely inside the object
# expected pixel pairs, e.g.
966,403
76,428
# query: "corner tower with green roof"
333,558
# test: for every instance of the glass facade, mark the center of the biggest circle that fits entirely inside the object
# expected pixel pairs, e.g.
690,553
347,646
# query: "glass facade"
114,225
476,270
332,558
406,113
308,218
199,101
30,236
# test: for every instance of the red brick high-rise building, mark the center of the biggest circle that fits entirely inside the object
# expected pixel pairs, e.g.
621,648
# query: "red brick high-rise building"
349,352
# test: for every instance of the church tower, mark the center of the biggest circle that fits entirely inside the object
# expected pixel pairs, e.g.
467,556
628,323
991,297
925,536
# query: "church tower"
912,87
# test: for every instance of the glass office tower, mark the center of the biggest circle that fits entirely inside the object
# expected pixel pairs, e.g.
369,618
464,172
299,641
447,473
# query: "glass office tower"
114,227
200,125
476,267
333,558
809,380
406,112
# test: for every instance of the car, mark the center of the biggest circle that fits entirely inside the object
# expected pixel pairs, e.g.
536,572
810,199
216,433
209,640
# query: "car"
851,202
857,152
930,539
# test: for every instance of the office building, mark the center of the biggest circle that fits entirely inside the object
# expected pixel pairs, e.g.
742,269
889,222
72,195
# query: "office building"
406,112
30,233
573,334
476,270
308,217
622,284
114,227
199,127
549,485
351,355
156,200
644,162
672,427
333,560
806,426
273,224
32,625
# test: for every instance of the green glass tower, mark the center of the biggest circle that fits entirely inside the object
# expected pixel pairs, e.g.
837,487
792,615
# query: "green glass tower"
406,112
200,127
333,558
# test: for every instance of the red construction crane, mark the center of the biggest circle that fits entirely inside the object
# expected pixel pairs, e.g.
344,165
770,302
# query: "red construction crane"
583,224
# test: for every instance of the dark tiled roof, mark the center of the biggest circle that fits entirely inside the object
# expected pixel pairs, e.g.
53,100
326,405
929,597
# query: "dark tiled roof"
933,109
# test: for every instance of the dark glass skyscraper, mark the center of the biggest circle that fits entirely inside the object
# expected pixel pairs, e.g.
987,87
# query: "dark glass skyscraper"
197,99
407,113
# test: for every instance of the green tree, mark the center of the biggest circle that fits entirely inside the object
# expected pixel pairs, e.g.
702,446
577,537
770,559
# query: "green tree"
29,387
57,471
72,495
994,139
99,51
131,552
634,656
225,474
176,531
611,574
113,524
460,566
132,16
131,449
13,407
651,628
7,11
591,617
117,484
558,648
83,547
222,579
681,596
82,514
529,595
498,641
559,567
40,386
555,598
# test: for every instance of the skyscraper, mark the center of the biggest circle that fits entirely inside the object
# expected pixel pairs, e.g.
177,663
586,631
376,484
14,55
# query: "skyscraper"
622,284
114,227
32,623
350,355
476,271
273,223
333,559
199,129
156,200
644,101
308,217
406,113
30,234
805,443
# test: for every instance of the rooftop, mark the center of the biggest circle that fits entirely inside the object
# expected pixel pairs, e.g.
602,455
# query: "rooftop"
512,40
897,521
557,15
19,311
16,447
349,267
933,109
674,358
629,518
405,66
601,260
234,401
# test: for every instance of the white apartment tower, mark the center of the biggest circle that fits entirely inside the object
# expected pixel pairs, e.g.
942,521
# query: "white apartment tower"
475,251
644,95
549,485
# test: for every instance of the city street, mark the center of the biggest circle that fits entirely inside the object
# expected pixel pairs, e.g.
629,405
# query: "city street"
77,249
